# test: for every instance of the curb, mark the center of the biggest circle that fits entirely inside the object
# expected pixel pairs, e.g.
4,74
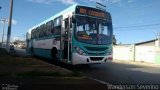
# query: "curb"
137,63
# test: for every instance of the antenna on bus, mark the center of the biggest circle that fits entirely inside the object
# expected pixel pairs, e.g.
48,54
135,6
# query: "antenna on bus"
100,6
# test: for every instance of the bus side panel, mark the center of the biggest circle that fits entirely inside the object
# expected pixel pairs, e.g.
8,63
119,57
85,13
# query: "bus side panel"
43,52
43,47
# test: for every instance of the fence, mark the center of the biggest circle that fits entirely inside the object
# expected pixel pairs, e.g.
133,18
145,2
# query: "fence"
150,54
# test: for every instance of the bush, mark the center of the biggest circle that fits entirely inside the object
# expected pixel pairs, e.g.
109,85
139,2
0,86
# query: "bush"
3,52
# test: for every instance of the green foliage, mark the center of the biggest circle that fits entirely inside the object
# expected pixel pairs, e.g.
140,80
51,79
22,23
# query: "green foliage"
3,52
34,73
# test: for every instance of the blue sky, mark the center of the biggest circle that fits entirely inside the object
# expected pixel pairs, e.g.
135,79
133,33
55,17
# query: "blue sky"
133,20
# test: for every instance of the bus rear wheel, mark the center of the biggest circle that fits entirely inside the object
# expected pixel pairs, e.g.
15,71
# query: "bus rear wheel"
32,52
54,55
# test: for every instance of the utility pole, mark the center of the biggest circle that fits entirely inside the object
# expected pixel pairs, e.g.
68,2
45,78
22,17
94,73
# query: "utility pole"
9,26
4,21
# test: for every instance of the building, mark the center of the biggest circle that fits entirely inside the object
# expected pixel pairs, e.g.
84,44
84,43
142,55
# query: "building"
19,44
147,51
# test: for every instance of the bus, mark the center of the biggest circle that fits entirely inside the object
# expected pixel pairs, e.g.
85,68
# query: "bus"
77,35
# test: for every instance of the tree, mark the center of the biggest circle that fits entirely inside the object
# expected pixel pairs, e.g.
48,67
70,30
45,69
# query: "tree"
15,43
114,40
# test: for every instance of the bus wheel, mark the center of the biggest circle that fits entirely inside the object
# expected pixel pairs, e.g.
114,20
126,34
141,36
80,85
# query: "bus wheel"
32,52
54,54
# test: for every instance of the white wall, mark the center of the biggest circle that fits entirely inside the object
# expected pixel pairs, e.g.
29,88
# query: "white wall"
138,53
123,52
145,53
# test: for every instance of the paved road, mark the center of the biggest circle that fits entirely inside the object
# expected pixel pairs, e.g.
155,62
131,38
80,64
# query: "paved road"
21,51
120,73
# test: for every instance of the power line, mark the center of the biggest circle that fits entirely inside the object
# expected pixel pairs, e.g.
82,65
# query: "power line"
148,29
124,29
141,8
135,26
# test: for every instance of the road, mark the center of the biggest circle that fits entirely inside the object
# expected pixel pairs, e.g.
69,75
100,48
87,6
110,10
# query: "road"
21,51
120,73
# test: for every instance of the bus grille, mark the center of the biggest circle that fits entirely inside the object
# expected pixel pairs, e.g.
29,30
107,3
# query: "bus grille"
96,54
96,58
96,48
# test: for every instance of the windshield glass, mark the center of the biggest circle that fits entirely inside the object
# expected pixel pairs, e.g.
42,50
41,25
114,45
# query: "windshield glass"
93,30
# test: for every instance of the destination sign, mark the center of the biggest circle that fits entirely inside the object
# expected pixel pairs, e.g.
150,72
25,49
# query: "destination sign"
92,12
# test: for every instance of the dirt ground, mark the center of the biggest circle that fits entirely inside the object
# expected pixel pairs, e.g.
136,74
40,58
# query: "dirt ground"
25,73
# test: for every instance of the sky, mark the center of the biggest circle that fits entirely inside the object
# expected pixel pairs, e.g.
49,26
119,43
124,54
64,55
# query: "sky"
133,20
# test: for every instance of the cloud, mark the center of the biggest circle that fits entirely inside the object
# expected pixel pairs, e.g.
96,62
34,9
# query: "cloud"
49,2
14,22
104,2
130,1
110,2
100,1
68,1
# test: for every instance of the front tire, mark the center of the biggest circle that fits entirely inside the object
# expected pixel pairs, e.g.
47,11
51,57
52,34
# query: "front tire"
54,55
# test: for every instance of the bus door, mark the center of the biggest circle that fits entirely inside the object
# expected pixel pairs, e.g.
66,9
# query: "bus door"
66,41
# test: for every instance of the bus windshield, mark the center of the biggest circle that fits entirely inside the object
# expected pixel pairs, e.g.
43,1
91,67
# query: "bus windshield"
93,30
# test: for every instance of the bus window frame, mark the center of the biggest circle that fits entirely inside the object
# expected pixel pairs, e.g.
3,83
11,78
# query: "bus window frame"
59,26
75,26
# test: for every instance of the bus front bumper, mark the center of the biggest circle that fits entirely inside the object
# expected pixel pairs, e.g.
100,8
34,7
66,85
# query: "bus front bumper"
81,59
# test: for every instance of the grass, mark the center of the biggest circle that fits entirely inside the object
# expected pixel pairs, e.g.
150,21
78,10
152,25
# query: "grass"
3,52
14,65
34,73
77,74
4,74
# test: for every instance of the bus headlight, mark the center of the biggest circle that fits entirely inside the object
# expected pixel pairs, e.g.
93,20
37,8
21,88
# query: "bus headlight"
109,53
80,51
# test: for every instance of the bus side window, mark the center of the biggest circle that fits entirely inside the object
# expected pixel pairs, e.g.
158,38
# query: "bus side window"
32,34
44,31
41,31
57,26
47,28
52,27
66,24
38,32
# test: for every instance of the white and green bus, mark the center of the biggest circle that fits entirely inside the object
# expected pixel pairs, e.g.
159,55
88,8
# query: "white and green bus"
77,35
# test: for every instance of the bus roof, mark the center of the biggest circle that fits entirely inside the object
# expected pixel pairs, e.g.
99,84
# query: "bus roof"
69,9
